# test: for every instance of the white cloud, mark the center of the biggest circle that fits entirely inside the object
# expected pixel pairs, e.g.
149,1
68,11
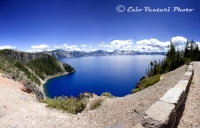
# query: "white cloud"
151,45
71,47
68,47
83,45
58,47
126,44
119,44
147,45
154,45
179,40
43,46
39,48
198,43
7,47
180,47
105,45
91,50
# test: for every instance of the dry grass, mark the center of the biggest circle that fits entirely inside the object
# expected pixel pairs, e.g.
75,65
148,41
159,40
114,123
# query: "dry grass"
96,103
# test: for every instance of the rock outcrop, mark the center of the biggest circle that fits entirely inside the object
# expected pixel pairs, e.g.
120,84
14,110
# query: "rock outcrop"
85,95
21,56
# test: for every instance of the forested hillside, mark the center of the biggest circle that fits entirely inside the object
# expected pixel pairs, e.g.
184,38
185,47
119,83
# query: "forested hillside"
175,58
31,68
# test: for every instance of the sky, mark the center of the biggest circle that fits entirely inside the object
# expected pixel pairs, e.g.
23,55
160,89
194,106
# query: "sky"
88,25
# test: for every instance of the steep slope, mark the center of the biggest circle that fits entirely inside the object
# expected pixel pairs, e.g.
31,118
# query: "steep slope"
31,68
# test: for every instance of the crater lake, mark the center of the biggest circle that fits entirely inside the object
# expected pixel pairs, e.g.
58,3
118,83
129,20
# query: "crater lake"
97,74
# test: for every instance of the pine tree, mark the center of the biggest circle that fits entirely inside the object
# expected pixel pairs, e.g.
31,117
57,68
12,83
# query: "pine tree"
192,47
196,53
178,56
171,57
148,71
186,50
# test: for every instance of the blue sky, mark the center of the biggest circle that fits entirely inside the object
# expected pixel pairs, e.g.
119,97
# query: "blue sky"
35,25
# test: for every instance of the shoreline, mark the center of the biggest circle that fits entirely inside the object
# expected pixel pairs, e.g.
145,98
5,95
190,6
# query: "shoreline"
43,82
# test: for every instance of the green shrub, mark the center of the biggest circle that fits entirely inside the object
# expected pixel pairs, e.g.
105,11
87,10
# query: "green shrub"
135,90
107,94
96,103
66,104
187,61
144,83
149,81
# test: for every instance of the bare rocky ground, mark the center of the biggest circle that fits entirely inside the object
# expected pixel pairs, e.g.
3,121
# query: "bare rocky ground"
191,114
21,110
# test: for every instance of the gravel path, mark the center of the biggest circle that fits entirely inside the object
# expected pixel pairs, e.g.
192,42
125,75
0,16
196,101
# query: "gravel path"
191,114
19,109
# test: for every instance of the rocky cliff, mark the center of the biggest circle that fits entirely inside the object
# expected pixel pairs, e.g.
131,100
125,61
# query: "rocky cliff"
31,68
21,56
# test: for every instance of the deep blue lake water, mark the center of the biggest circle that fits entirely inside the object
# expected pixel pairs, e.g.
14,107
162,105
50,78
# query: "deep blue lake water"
115,74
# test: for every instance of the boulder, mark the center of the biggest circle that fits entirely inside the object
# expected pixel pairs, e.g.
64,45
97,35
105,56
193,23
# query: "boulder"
85,95
26,90
8,75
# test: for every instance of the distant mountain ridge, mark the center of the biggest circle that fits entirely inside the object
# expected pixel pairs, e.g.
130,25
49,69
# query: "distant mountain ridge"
65,54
